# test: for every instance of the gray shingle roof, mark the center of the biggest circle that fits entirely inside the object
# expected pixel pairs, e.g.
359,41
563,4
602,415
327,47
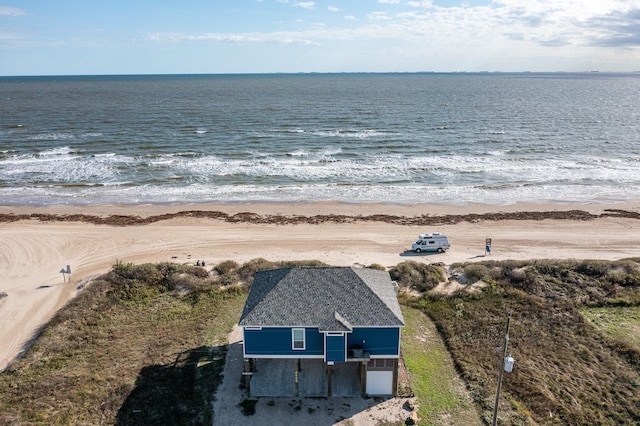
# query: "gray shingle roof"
312,296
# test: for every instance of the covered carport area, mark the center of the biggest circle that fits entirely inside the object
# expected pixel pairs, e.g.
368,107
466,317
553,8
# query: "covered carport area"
304,378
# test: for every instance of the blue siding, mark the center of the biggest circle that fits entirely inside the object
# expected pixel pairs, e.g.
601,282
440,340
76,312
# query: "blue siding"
336,351
377,341
276,341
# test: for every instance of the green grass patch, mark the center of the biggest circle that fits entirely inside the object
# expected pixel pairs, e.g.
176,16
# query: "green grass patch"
440,394
618,323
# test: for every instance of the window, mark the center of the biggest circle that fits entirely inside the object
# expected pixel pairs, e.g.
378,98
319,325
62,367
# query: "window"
381,364
298,343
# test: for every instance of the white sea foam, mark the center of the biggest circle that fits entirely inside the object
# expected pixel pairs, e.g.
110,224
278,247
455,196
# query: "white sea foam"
348,133
63,150
52,136
328,141
135,194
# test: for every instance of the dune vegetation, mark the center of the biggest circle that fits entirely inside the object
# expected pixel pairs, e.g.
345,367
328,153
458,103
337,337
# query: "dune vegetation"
144,344
569,369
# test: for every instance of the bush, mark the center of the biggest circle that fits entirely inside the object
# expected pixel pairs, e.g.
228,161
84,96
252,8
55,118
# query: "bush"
593,268
416,275
199,272
476,272
624,280
294,263
149,273
227,280
249,269
225,267
377,266
525,279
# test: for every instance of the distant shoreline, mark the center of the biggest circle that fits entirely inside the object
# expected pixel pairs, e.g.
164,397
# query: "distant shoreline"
315,73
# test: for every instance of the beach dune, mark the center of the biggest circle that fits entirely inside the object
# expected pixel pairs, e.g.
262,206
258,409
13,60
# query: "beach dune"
33,249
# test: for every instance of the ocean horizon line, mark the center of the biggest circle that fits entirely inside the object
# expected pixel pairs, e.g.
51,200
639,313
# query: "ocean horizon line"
320,73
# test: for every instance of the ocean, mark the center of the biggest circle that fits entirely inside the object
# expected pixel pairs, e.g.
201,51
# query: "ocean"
459,138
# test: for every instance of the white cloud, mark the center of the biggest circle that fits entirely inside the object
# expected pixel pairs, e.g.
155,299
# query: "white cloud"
379,16
11,11
332,9
491,36
305,4
389,1
257,38
8,37
523,23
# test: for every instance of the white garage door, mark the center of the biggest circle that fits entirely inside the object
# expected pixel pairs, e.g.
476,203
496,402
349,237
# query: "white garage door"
379,382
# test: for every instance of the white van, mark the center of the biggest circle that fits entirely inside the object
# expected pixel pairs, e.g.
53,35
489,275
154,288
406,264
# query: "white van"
431,242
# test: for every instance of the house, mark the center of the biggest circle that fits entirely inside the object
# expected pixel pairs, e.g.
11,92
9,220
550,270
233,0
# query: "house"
321,331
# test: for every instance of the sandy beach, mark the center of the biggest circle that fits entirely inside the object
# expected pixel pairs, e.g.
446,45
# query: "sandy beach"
37,242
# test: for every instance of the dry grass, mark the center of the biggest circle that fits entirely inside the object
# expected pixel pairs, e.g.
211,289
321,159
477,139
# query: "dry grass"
145,345
567,371
128,350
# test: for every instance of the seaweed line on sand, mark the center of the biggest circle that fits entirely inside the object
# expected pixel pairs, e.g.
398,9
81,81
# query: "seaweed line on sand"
248,217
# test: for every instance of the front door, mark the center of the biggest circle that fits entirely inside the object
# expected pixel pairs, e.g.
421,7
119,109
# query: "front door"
335,347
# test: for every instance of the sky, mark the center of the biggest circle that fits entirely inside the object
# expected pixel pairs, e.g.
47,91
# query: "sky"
80,37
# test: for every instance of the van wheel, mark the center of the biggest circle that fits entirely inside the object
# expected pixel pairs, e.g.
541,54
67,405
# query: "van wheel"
440,250
418,250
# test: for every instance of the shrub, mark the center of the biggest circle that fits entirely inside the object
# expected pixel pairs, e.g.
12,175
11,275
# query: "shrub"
227,280
149,273
476,272
293,263
249,269
624,280
248,406
525,279
377,266
416,275
593,268
199,272
225,267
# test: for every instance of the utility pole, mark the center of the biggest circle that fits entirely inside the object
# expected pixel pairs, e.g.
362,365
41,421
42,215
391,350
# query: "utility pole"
502,369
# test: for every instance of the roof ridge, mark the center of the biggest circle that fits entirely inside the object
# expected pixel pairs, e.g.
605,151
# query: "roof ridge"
342,320
375,293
